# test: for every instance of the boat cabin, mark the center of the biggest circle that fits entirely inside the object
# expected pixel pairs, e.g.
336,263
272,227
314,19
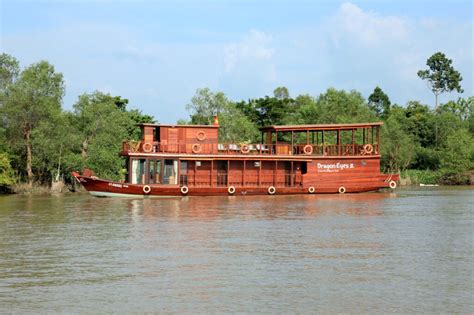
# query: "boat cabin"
191,156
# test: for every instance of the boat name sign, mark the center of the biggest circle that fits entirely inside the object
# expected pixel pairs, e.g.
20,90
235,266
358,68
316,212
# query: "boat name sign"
118,185
334,167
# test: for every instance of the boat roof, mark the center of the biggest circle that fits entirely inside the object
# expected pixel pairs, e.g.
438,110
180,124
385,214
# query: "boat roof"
177,126
282,127
320,127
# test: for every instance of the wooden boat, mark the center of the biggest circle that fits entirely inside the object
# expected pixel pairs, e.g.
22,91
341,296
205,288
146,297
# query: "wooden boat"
187,160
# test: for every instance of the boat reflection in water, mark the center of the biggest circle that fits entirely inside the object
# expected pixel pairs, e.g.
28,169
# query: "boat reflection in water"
278,207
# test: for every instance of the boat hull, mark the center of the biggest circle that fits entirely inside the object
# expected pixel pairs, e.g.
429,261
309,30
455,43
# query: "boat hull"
104,188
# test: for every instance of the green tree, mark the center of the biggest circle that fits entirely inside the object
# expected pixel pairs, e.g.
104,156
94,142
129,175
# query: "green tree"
281,93
462,108
35,96
307,110
458,151
204,105
7,174
420,123
441,75
101,126
137,117
339,106
235,126
397,146
379,103
9,70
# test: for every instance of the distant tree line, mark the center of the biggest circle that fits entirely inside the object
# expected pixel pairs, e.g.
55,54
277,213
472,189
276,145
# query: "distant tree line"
40,141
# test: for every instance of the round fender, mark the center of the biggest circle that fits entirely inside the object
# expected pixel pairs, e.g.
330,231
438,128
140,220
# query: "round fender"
308,149
147,147
146,189
393,184
342,190
311,190
271,190
368,149
201,135
231,190
184,190
245,149
196,148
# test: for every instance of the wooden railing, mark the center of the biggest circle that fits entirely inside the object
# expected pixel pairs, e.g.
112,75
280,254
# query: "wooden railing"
252,149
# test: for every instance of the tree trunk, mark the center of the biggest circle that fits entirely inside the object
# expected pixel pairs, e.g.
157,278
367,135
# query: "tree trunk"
85,146
29,158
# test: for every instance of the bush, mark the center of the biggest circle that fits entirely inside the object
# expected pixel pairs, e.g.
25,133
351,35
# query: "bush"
422,176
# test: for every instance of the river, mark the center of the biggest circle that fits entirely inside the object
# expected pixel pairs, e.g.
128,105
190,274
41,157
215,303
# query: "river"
408,251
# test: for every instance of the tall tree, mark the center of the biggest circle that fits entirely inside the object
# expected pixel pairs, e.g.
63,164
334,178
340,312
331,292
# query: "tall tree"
441,75
281,93
379,103
205,104
100,126
235,125
35,96
9,70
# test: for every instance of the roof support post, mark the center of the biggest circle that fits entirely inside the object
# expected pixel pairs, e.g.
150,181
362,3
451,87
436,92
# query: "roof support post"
378,139
243,174
292,142
353,142
212,170
338,142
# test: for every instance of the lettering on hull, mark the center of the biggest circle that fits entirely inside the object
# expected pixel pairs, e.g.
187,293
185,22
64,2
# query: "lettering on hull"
333,167
118,185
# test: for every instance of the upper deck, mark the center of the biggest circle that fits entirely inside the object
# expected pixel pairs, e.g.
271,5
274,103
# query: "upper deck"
291,140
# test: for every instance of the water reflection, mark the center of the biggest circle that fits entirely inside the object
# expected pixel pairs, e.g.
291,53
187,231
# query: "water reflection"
252,207
404,252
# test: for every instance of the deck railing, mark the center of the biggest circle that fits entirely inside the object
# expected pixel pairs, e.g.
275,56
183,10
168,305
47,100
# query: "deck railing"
252,149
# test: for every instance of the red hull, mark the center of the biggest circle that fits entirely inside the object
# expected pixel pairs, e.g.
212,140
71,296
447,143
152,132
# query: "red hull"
103,188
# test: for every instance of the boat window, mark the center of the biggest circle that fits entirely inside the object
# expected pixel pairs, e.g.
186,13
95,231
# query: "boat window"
138,171
170,172
304,167
154,171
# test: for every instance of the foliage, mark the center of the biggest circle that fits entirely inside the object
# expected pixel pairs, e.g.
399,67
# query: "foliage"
7,174
39,140
458,151
32,98
379,103
441,75
397,146
339,106
205,104
422,176
235,126
9,71
100,126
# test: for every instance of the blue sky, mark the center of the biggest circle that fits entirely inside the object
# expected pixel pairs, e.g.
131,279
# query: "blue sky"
157,53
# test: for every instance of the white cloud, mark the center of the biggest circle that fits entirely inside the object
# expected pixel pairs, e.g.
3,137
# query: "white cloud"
352,23
254,46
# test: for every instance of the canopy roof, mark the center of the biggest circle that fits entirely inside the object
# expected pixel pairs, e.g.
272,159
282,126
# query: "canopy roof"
177,126
320,127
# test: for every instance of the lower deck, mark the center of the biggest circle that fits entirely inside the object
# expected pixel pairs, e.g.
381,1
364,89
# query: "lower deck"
210,173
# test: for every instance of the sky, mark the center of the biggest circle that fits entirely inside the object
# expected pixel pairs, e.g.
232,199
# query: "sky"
157,53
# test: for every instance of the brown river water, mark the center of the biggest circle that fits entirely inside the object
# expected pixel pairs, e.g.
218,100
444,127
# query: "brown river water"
406,252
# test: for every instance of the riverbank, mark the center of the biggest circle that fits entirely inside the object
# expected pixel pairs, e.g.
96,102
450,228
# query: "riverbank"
429,177
408,178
